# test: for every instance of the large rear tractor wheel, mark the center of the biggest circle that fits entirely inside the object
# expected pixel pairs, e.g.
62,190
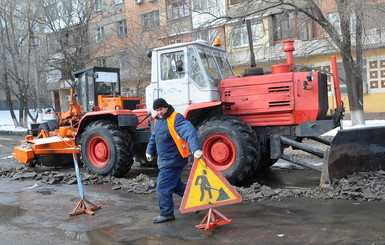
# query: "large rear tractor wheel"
140,156
107,149
231,146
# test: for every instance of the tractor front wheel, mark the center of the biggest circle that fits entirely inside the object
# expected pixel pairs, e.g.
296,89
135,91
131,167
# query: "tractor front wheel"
231,146
107,149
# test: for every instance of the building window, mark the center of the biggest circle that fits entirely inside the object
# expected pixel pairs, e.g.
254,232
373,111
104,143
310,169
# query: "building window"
239,35
35,27
177,9
291,25
232,2
19,24
200,5
98,5
3,23
54,74
18,8
99,34
376,74
334,19
207,35
101,62
122,28
174,41
33,10
150,20
20,41
119,1
36,42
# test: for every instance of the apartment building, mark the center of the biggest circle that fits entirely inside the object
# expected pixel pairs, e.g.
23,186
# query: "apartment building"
313,46
123,30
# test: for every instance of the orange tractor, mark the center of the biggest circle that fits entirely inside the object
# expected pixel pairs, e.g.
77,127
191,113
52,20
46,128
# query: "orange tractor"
244,123
102,120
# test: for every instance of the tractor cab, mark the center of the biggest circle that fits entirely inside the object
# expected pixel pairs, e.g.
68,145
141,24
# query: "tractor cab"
98,88
187,73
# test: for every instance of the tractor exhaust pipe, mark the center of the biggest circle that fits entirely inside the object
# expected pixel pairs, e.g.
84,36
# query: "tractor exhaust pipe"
288,48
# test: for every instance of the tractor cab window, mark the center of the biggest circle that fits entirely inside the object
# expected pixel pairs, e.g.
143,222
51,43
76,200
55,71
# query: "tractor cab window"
106,83
172,65
82,92
208,60
224,65
195,71
104,87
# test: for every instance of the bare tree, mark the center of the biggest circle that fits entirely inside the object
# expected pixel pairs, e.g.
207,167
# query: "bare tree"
66,23
152,29
17,58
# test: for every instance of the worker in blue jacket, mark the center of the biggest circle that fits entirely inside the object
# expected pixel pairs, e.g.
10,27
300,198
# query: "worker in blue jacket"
173,138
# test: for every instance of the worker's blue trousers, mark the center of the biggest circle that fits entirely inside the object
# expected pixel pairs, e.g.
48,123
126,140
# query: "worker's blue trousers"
169,182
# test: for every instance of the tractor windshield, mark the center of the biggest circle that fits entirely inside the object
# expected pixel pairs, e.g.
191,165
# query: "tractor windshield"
224,65
216,65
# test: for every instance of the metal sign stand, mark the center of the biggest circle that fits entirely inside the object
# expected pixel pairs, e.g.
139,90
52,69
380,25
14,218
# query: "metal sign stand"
212,219
84,206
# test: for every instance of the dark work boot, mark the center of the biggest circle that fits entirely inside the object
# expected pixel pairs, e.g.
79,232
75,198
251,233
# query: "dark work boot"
161,219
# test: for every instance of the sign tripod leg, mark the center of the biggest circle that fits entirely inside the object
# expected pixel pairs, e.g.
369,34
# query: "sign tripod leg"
82,206
212,219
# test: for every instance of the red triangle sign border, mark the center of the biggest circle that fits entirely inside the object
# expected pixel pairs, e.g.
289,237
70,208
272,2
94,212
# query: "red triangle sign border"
183,208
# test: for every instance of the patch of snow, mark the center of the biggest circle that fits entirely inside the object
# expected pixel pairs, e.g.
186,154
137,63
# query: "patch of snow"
347,124
6,122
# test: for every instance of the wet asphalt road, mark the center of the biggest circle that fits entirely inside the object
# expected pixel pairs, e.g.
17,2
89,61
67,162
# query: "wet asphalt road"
35,213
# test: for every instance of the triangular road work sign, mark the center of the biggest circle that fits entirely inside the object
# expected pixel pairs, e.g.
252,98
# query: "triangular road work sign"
207,188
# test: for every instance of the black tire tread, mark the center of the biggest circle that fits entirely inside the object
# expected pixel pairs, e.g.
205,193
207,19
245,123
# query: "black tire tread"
140,156
250,158
123,143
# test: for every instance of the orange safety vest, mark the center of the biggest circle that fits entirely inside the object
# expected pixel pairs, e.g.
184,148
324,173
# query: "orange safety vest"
180,144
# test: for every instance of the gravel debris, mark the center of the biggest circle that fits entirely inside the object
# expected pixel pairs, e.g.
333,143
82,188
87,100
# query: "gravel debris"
362,186
141,184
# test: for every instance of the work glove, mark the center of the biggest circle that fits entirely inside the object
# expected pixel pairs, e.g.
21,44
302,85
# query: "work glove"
198,154
149,157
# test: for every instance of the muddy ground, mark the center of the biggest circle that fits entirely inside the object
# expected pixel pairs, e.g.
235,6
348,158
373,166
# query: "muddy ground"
284,206
364,186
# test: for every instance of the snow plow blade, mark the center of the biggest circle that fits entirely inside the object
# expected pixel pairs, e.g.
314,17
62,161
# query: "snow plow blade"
356,150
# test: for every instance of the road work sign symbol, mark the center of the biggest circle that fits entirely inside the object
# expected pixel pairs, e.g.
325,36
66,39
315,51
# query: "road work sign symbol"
207,188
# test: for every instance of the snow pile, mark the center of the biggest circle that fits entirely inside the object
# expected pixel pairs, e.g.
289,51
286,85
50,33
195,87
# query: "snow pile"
347,124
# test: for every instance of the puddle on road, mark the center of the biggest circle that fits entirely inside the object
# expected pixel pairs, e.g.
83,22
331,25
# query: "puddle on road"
9,212
105,236
46,191
101,236
160,240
